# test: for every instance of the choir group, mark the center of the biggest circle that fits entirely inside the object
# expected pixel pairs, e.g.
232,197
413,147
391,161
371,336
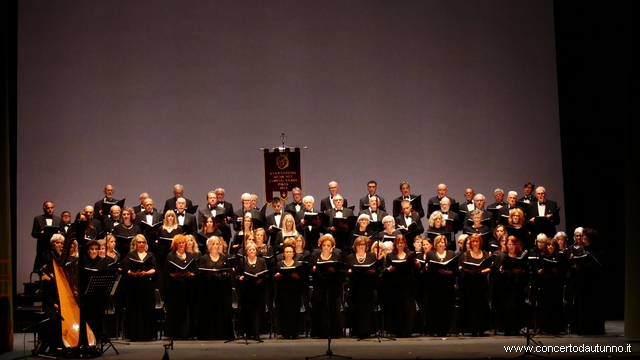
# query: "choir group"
336,270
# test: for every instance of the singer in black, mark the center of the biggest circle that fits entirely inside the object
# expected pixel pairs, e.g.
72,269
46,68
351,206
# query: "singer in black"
288,291
362,281
140,267
401,264
442,285
250,276
327,290
474,290
181,268
214,299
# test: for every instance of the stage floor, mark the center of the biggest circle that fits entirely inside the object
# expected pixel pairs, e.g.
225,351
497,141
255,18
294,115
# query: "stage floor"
492,346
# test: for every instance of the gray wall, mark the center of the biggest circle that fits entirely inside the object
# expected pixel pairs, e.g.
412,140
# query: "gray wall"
146,94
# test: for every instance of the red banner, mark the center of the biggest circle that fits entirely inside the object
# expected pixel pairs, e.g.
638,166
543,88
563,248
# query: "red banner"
281,172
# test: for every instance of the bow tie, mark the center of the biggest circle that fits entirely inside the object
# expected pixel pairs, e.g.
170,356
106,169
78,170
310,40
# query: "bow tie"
220,204
542,203
181,214
338,210
445,212
149,213
276,213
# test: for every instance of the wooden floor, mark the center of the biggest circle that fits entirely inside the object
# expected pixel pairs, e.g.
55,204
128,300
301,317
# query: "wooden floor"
408,348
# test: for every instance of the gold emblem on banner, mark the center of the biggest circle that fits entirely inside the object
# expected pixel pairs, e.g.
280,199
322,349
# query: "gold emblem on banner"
282,161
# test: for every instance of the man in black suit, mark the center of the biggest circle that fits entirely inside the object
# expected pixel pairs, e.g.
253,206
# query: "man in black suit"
498,194
445,208
186,220
512,198
140,208
442,193
543,214
479,202
65,223
416,206
296,205
372,188
274,220
373,211
178,192
246,209
90,214
528,193
406,218
149,215
467,205
311,232
340,234
108,197
327,203
40,222
113,219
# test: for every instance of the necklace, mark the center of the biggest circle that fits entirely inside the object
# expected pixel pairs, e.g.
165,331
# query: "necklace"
361,259
127,227
285,263
323,258
476,255
441,257
181,256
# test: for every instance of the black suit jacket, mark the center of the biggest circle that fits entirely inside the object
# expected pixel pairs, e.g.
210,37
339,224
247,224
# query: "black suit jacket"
416,206
381,214
326,204
436,200
170,204
364,203
291,208
548,228
341,236
190,221
109,224
455,218
142,216
39,222
237,219
312,235
400,221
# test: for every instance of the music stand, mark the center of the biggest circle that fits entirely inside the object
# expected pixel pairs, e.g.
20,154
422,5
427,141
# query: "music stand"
36,343
102,283
329,353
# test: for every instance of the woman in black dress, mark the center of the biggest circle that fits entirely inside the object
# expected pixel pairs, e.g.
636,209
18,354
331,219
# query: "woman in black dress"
361,229
474,296
327,290
401,304
164,242
519,228
250,274
510,305
442,282
589,284
126,229
550,301
288,231
499,241
288,291
214,299
240,237
179,300
437,223
389,233
140,267
208,229
477,227
362,280
422,323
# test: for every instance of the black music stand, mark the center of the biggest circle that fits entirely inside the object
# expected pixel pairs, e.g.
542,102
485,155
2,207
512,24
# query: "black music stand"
103,283
36,343
329,353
